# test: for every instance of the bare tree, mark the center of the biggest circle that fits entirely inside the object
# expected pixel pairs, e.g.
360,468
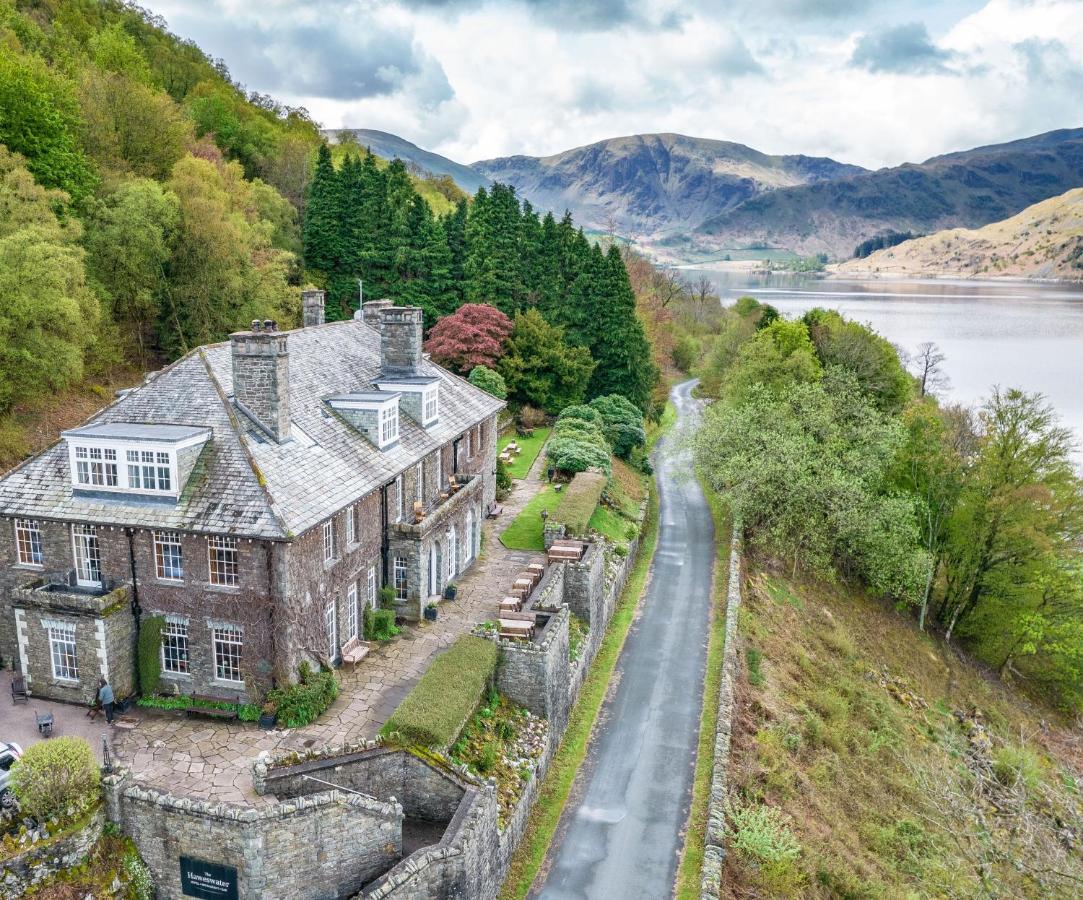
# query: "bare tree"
927,366
668,286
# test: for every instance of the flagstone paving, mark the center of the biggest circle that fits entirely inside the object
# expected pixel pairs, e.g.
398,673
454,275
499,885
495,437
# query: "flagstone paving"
212,760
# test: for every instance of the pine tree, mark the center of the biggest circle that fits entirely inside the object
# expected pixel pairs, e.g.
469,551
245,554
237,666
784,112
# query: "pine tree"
321,235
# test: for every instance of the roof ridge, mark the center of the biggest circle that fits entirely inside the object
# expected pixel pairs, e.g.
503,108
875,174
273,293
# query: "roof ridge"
232,417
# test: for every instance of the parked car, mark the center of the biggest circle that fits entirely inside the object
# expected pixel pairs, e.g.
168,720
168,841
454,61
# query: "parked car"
8,754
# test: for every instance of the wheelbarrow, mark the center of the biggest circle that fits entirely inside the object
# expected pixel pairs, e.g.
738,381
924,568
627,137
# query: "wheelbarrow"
45,723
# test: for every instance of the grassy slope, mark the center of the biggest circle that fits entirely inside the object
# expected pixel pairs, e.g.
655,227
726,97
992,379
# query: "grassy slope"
531,446
849,727
525,530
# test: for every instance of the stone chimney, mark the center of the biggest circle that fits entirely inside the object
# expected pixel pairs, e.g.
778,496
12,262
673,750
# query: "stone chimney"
261,377
312,304
400,344
372,312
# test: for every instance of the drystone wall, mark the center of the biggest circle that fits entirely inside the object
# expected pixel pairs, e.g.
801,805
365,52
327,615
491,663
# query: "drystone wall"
41,860
714,853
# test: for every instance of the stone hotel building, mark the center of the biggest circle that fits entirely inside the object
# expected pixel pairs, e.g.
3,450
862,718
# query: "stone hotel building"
257,494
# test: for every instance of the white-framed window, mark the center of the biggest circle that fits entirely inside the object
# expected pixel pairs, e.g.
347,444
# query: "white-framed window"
332,635
371,587
96,466
222,560
400,578
431,408
328,540
351,611
389,423
28,542
351,525
419,483
452,553
88,557
175,648
227,643
149,470
400,493
469,555
168,559
62,651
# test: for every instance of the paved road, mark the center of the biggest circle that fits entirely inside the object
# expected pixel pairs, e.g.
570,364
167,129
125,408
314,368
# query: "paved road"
621,835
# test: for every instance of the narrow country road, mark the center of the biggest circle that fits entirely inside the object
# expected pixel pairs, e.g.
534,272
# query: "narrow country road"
621,835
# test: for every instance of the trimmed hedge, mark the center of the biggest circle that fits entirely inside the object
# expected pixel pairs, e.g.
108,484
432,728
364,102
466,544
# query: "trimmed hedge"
150,652
440,704
579,501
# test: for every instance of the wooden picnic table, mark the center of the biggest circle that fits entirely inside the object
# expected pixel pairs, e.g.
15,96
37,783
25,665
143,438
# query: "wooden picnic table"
516,628
511,604
537,569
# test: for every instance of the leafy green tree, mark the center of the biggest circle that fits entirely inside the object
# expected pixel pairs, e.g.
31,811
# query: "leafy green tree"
114,50
539,368
39,119
778,356
623,423
489,381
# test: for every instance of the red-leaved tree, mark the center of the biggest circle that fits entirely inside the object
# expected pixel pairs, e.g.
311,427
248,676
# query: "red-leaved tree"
474,335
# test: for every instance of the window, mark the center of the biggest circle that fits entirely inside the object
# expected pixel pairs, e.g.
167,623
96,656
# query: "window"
452,553
148,470
175,648
222,560
439,471
419,483
431,408
469,555
62,651
470,444
167,556
351,525
351,612
96,466
28,542
389,423
227,653
328,540
372,587
88,558
332,636
400,577
401,494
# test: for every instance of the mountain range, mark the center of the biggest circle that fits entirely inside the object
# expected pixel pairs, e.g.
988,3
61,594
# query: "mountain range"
686,199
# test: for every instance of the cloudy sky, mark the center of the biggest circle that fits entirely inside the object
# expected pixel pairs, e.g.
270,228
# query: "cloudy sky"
873,83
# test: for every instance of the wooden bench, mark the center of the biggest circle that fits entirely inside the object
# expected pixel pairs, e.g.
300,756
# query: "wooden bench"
516,627
537,569
19,693
193,712
354,650
564,554
495,509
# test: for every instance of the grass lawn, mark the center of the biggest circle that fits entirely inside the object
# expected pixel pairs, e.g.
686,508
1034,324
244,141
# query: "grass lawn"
525,531
613,525
531,446
554,791
689,873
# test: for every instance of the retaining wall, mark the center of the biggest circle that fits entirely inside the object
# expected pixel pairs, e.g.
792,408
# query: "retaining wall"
714,852
41,860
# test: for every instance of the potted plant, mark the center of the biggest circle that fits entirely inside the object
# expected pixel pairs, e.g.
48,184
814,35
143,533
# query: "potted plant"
268,715
450,591
430,612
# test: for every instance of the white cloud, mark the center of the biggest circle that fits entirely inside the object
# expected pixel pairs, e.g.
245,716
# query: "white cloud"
478,78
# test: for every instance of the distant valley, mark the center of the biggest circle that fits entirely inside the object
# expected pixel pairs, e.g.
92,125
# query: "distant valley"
687,199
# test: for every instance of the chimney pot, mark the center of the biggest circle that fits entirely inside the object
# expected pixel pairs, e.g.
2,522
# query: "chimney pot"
255,324
268,324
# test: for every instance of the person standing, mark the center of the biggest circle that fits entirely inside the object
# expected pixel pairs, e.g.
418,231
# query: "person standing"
105,698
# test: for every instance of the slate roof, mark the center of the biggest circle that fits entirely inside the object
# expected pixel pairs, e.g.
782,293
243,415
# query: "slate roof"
243,482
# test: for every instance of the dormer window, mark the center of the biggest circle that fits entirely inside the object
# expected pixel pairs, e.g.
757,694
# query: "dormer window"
431,409
134,458
389,424
420,397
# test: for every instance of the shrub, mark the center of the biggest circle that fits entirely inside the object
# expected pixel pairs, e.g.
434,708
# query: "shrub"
755,673
581,411
248,712
579,501
387,597
150,653
57,778
531,416
503,479
301,703
1017,764
474,335
575,455
434,712
622,423
760,834
580,429
686,352
490,381
380,624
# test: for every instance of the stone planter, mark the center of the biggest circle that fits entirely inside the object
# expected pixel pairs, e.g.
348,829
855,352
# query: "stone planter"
430,613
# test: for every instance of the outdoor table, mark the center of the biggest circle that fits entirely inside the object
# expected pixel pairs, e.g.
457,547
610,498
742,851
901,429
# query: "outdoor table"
515,628
511,604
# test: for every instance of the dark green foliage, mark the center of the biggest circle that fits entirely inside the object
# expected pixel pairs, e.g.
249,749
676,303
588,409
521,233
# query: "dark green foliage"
488,380
304,702
579,501
438,707
379,624
888,239
578,444
503,479
581,411
622,423
150,653
540,368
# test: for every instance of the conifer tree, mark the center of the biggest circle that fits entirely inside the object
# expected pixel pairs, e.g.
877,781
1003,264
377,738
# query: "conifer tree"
321,234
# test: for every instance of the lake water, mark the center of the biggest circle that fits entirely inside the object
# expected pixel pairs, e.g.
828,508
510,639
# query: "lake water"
1023,335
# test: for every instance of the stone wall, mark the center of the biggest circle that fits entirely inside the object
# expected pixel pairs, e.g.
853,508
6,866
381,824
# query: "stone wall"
41,860
325,845
714,852
584,586
535,675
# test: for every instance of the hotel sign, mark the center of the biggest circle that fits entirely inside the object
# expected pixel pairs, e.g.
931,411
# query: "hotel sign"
207,880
